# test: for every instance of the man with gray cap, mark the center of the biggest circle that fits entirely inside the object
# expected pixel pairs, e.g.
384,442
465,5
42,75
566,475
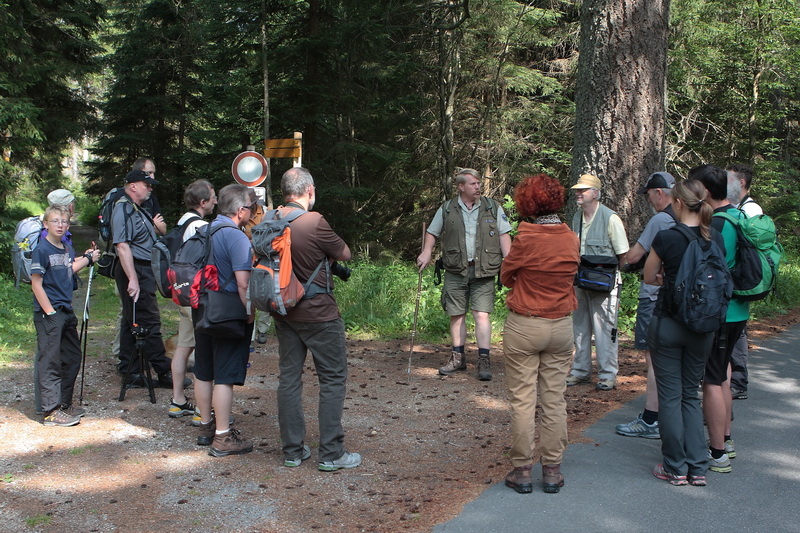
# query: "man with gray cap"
658,189
134,235
601,233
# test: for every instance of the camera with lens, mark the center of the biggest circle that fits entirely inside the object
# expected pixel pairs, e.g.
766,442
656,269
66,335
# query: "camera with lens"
139,331
340,271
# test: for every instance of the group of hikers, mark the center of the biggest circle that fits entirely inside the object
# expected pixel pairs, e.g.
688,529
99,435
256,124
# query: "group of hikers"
565,285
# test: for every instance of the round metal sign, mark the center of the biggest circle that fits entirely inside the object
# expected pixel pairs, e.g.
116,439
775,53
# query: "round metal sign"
250,168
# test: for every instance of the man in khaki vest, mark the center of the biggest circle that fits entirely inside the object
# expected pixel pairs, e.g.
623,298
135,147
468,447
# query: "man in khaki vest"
475,238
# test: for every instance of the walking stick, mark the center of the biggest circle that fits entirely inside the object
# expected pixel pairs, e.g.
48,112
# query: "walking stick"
416,309
616,314
84,336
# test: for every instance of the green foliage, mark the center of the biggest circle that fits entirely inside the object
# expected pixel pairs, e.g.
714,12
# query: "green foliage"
39,520
17,334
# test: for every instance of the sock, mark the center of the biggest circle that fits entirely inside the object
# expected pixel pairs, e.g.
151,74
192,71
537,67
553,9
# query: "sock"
459,349
483,352
218,432
649,417
715,453
727,438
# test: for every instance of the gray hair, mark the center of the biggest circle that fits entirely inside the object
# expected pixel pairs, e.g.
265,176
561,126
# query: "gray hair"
461,175
295,182
231,198
140,163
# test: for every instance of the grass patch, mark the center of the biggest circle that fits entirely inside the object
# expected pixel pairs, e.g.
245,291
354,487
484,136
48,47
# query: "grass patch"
38,520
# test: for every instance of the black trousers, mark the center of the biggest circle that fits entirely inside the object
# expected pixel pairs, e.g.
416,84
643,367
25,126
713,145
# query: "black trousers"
147,316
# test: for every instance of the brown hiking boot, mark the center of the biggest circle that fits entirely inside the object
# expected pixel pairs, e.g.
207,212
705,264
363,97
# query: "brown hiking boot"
207,431
552,478
59,417
458,361
229,443
484,368
519,479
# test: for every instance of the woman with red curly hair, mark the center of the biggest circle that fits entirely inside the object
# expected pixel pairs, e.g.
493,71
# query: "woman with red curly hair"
537,340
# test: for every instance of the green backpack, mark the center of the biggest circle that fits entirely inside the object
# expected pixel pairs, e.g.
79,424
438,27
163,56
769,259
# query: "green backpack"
758,254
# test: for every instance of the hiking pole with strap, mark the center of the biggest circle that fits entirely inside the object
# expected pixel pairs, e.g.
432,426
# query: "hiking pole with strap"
416,308
616,313
84,336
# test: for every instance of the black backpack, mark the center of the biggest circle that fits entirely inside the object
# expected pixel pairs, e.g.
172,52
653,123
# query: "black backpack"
106,209
701,291
163,253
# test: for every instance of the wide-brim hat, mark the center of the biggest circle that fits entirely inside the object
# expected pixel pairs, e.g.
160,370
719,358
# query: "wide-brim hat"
588,181
60,197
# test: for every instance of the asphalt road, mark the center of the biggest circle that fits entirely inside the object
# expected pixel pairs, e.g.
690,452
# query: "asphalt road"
609,485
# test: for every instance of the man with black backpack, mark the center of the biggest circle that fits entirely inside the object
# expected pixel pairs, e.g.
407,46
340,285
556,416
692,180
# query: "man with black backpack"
200,199
134,235
716,387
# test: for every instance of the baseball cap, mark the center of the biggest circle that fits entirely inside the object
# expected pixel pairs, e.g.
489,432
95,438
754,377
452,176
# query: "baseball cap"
60,197
140,175
588,181
657,180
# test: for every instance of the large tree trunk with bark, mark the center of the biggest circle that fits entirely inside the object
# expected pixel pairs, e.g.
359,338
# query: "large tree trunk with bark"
620,100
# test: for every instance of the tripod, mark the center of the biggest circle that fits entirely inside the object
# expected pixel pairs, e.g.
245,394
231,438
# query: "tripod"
140,333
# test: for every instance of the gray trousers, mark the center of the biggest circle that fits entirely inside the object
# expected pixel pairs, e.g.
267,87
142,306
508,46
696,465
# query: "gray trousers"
58,358
596,314
326,342
739,363
679,357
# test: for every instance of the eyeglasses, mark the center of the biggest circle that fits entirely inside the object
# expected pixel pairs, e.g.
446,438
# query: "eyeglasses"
59,222
250,207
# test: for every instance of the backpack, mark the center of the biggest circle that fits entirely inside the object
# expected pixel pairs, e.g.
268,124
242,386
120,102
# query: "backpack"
273,284
104,217
190,272
758,254
164,251
26,238
701,291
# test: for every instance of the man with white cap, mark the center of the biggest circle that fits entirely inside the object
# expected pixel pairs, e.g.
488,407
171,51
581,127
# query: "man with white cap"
601,233
658,189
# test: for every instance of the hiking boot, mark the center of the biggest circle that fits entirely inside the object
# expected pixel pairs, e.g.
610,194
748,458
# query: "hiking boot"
180,409
606,384
552,478
347,460
738,394
484,368
639,428
59,417
519,479
721,465
458,361
73,410
229,443
672,479
574,380
207,432
296,462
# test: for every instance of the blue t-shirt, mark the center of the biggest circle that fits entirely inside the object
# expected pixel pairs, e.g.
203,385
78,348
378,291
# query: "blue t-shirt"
55,266
232,252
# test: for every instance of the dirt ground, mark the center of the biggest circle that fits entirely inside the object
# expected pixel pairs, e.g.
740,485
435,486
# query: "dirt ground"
430,444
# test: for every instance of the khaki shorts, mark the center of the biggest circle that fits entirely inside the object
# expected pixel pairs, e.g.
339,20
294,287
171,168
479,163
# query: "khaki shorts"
460,294
185,328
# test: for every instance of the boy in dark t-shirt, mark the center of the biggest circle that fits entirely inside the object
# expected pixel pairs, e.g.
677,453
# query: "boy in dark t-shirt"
59,353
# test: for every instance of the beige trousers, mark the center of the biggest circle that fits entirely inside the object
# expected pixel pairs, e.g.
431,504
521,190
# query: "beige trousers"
538,354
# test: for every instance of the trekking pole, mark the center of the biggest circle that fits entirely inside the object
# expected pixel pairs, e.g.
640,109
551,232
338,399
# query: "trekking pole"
416,309
616,314
84,336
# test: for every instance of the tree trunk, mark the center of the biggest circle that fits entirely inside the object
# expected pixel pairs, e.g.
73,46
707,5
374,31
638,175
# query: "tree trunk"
265,71
620,102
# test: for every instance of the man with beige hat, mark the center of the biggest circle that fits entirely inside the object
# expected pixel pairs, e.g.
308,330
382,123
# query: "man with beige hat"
601,233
